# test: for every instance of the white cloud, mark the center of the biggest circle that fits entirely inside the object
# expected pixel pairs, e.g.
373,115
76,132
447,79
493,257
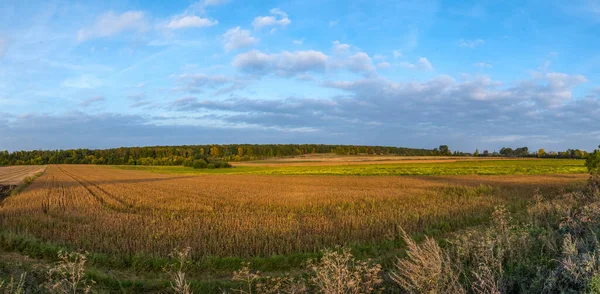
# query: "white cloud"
333,23
503,139
198,83
294,63
340,47
92,100
424,64
359,62
441,107
199,8
421,64
237,38
82,82
408,65
285,63
471,43
277,11
110,24
190,21
383,65
549,89
397,54
482,65
272,20
298,42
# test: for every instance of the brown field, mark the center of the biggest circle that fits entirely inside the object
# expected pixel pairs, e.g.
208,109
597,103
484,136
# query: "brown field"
109,210
13,175
336,160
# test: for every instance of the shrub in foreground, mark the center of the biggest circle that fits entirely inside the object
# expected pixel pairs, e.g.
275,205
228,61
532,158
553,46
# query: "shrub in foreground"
554,251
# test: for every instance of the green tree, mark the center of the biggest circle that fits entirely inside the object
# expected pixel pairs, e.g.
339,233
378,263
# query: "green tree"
200,163
593,161
444,150
541,153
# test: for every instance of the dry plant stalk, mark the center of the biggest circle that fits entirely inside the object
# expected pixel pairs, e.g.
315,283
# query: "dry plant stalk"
68,275
339,272
180,284
13,286
247,277
427,269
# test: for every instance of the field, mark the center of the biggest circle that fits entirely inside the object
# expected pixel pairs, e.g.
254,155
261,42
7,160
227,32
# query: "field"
275,214
13,175
379,167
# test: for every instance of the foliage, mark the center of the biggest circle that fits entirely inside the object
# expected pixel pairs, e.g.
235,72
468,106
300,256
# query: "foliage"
184,155
592,162
200,163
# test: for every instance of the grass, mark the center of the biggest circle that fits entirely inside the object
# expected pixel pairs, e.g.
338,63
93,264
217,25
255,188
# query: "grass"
478,167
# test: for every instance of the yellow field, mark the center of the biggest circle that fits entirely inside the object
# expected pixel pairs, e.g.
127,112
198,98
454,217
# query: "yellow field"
336,160
13,175
115,211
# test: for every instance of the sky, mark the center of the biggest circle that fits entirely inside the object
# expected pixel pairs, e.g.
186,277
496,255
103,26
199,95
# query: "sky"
468,74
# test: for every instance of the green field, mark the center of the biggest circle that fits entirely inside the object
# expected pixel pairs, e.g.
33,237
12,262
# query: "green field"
474,167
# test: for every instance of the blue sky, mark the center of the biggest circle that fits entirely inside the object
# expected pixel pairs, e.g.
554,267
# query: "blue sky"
479,74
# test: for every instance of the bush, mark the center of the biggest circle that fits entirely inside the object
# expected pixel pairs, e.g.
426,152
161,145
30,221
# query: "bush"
200,163
593,161
188,163
211,166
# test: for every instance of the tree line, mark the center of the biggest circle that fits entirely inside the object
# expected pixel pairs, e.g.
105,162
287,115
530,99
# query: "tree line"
540,153
217,156
195,155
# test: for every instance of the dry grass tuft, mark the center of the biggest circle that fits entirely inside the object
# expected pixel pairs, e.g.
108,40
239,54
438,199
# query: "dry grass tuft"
68,275
339,272
427,269
335,273
13,286
180,284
